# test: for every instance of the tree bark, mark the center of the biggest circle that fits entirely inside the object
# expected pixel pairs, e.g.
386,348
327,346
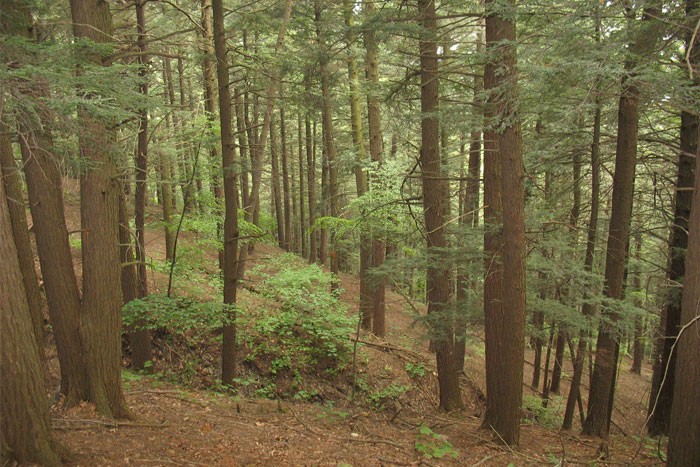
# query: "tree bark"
505,322
230,177
684,431
12,180
603,381
100,326
25,428
284,162
434,206
661,395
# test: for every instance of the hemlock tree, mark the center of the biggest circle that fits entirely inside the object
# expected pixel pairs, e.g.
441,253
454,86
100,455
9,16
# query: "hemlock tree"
100,317
230,177
435,201
602,387
684,432
25,428
504,310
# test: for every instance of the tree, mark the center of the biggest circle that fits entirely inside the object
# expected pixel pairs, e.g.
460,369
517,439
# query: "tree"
100,317
230,177
434,205
602,388
25,429
504,310
661,395
684,432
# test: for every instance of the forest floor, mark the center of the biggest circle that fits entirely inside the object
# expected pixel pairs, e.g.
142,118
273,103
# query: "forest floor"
179,425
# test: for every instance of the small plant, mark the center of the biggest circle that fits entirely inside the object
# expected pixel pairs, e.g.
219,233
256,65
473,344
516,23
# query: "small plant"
433,445
415,370
390,393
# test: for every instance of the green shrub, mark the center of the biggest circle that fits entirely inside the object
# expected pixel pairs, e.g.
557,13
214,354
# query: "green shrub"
310,330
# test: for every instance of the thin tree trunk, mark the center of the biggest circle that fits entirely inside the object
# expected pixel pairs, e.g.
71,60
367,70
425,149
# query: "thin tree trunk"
311,174
302,200
377,287
284,162
230,177
12,179
276,198
607,348
329,149
588,309
140,340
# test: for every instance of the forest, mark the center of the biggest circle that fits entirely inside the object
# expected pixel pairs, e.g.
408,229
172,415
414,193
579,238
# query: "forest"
335,232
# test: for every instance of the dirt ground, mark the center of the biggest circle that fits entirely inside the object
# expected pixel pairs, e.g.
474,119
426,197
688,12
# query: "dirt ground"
181,426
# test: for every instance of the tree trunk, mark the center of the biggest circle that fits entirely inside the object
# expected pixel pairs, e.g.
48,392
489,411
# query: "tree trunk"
140,339
329,148
504,321
230,177
607,348
25,428
661,395
45,187
100,325
434,206
18,216
376,288
683,441
302,192
588,309
311,174
558,361
284,162
276,198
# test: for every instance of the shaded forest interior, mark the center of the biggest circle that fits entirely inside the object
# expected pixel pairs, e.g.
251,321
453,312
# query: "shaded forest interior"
445,231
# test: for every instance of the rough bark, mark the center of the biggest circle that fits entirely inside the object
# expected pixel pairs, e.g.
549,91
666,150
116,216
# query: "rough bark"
25,428
684,431
286,201
661,395
434,205
12,180
230,177
506,323
311,174
376,287
607,347
100,325
329,148
140,339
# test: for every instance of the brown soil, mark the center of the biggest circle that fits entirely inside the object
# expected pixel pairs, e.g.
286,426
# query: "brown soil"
181,426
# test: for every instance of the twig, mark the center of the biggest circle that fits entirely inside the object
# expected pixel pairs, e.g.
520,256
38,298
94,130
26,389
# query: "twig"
109,424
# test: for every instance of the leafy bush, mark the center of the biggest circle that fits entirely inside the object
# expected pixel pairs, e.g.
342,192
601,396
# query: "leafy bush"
310,331
433,445
158,311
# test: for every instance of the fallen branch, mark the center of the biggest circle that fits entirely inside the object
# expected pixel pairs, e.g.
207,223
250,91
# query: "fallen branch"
108,424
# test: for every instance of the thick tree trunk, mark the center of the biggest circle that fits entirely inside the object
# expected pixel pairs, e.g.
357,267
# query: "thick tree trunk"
661,395
230,177
25,428
100,326
504,321
684,431
607,348
434,207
